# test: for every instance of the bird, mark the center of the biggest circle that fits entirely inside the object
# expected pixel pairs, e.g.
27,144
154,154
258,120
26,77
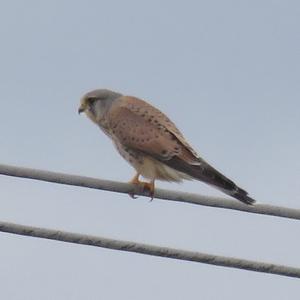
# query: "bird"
151,143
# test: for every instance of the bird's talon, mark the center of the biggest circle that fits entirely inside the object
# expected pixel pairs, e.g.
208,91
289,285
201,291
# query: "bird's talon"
133,196
135,181
149,188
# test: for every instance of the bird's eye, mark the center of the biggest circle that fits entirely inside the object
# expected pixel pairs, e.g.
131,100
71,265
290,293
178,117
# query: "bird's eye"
92,100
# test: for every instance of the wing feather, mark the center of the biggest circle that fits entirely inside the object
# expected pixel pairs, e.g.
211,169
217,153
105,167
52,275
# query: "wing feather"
141,126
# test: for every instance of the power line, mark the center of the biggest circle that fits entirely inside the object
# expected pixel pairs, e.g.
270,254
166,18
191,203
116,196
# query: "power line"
146,249
120,187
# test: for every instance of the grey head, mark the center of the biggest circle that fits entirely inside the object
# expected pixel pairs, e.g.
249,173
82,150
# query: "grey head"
97,102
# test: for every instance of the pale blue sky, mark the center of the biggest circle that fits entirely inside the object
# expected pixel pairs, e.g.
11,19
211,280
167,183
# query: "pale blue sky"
227,72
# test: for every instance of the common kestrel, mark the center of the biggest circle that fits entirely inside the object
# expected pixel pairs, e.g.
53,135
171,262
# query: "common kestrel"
151,142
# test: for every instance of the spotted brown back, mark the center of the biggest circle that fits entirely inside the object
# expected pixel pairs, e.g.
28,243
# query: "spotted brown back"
138,125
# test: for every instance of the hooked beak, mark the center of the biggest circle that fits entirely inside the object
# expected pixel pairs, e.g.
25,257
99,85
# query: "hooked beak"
81,109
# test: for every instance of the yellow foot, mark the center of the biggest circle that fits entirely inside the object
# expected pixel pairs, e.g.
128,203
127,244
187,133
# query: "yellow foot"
135,181
149,186
146,186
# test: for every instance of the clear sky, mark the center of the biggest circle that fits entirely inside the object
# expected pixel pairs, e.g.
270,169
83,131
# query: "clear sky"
226,72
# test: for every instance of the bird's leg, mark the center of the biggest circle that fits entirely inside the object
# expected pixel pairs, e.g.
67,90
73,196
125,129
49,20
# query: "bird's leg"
148,186
135,181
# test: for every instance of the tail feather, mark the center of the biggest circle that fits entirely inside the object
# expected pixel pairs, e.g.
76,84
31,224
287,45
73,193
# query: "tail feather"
206,173
241,195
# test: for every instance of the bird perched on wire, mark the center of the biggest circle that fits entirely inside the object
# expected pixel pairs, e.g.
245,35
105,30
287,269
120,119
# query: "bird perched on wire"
151,142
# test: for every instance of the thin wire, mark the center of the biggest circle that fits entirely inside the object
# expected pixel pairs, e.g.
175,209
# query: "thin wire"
120,187
167,252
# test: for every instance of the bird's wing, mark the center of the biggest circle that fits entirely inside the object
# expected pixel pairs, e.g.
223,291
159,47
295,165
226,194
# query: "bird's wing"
138,125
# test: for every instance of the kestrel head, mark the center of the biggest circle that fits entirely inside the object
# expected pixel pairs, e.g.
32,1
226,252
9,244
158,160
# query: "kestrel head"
96,103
